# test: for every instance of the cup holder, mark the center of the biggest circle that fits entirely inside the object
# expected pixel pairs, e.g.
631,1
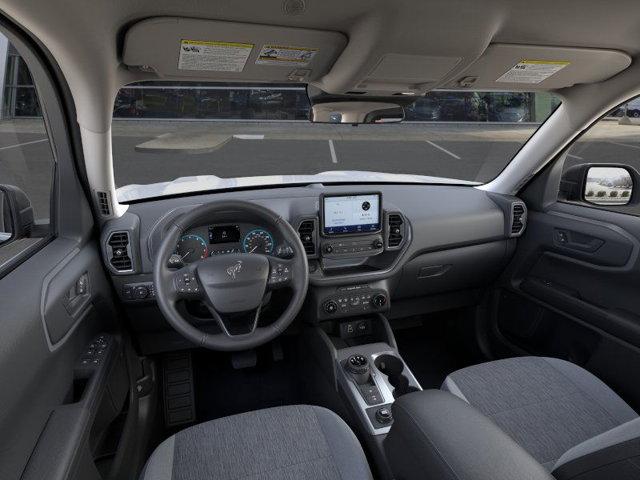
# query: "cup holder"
393,367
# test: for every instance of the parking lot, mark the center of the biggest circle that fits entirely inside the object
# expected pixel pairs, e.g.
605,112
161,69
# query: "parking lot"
476,152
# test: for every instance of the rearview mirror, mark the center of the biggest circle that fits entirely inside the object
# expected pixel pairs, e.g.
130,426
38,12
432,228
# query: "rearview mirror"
356,112
608,186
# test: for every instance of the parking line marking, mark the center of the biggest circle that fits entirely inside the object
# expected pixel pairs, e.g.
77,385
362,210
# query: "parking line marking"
443,149
625,145
574,156
23,144
243,136
332,149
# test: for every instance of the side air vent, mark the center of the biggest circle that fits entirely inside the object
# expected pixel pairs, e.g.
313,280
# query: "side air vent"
518,219
306,230
104,205
395,230
119,252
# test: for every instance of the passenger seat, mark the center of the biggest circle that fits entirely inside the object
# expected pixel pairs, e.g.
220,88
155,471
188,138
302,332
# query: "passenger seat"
563,416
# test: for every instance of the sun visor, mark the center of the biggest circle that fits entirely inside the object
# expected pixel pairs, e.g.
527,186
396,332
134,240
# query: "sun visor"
529,67
182,48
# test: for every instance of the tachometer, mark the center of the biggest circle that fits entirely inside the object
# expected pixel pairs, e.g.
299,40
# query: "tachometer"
192,248
258,241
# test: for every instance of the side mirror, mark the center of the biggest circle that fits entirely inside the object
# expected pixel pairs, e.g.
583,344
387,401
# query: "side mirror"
608,186
605,185
16,214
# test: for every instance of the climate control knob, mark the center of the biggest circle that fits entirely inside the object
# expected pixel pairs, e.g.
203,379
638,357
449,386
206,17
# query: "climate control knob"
328,249
379,300
331,307
377,244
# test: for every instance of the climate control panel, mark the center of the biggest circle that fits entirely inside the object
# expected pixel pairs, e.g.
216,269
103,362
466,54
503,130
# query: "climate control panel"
354,300
353,247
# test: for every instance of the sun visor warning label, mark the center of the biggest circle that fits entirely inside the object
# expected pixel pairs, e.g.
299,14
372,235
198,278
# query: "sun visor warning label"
213,56
532,71
286,56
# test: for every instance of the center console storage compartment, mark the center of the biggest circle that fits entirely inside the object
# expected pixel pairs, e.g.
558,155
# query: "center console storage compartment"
438,435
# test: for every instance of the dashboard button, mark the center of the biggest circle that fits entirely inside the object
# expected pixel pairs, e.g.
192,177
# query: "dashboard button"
331,307
141,292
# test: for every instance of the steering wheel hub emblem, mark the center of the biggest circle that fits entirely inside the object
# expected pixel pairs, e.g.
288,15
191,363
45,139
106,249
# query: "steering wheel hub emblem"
235,269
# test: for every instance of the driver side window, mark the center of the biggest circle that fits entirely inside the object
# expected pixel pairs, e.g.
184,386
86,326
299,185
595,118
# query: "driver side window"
27,163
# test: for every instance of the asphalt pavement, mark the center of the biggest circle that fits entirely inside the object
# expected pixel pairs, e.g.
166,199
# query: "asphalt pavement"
473,152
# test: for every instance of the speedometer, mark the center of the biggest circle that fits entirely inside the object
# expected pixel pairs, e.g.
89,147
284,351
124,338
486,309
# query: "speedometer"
258,241
192,248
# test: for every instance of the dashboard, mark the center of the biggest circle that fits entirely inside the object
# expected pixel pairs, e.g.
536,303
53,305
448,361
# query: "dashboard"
400,250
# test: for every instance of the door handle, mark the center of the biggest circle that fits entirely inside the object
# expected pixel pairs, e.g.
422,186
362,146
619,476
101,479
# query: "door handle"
576,240
78,295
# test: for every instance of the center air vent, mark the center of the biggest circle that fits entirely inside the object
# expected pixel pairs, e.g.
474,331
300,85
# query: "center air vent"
118,251
395,229
306,230
519,218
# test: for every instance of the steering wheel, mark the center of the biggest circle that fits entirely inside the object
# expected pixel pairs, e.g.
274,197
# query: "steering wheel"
232,286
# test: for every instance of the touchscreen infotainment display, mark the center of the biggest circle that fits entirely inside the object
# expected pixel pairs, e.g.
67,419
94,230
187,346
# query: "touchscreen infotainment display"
351,214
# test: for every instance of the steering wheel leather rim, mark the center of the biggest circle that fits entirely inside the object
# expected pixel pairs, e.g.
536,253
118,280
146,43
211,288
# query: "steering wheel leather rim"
163,276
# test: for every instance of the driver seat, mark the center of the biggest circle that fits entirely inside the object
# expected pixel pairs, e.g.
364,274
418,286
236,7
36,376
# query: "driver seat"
292,442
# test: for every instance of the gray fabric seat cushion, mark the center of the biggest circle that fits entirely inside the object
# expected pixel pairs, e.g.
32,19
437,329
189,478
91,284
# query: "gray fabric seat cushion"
295,442
546,405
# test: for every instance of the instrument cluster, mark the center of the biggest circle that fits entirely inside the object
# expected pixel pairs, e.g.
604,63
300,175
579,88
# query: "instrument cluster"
211,240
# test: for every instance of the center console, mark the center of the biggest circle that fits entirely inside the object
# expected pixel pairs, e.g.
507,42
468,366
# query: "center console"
372,377
367,373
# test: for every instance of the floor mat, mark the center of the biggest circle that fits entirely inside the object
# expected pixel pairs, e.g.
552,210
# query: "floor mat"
221,390
437,348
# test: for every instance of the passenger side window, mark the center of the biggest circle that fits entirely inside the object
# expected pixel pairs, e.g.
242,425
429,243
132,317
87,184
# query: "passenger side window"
602,169
27,164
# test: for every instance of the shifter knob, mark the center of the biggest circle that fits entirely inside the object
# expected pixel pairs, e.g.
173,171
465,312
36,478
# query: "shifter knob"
358,366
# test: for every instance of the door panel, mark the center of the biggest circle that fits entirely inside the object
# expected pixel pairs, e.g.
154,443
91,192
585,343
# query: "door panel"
572,292
38,373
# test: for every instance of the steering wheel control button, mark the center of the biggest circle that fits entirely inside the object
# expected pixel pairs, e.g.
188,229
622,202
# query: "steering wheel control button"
280,274
187,284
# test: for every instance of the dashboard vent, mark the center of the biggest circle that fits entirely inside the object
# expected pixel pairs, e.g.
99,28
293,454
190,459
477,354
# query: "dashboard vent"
395,224
118,252
518,218
103,203
306,230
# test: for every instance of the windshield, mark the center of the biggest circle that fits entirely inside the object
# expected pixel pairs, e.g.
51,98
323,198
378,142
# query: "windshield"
184,137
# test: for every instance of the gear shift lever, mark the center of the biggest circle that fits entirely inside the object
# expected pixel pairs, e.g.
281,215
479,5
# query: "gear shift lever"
358,366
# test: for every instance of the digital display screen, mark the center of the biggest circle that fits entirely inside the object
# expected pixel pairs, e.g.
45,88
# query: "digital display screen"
224,234
351,214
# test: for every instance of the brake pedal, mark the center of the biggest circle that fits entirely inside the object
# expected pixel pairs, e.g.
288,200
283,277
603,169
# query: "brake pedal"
246,359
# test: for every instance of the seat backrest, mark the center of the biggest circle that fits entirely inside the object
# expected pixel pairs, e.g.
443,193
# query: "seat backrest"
610,455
